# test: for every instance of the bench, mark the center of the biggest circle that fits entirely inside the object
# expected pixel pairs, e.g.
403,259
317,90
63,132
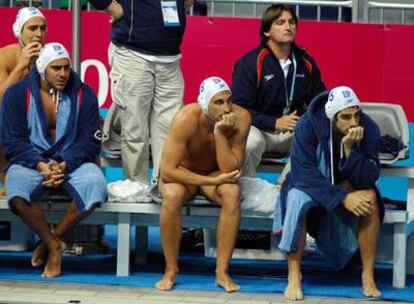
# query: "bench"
143,215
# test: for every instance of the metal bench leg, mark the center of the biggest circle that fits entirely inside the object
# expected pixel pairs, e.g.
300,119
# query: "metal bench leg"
399,255
210,242
124,244
141,245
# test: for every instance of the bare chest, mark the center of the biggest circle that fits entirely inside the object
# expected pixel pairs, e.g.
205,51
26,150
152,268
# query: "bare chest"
49,109
201,153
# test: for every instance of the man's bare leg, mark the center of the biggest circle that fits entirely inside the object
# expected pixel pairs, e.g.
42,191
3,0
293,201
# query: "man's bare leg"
71,218
33,216
368,238
228,197
293,290
171,225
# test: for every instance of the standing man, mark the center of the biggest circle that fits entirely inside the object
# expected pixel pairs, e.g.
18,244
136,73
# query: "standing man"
51,138
17,59
275,82
147,84
331,191
204,153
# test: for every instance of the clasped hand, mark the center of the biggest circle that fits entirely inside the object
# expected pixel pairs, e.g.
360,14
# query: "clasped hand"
53,173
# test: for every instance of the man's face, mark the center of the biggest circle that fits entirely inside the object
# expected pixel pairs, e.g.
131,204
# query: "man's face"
346,119
283,29
57,73
220,104
34,30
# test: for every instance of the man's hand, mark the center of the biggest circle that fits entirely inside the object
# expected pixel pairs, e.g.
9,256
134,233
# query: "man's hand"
358,203
58,167
287,122
52,173
354,134
227,125
228,178
29,54
116,11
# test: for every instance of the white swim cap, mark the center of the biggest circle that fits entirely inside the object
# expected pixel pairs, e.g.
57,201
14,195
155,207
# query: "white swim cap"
23,15
50,52
208,88
340,98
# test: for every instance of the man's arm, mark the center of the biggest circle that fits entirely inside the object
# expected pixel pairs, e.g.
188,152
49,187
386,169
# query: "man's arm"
244,94
361,165
182,129
305,173
10,75
112,7
316,86
15,135
230,149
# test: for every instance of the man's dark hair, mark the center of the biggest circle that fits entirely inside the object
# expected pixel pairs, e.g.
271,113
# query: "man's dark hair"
272,13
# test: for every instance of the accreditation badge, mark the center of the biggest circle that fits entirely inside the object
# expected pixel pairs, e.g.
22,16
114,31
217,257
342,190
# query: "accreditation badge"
170,13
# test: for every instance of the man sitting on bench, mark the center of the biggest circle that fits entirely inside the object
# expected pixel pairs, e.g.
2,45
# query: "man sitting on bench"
331,189
51,138
204,152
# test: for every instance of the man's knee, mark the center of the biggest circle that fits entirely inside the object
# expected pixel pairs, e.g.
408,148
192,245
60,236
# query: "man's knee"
17,204
255,141
172,198
373,199
229,197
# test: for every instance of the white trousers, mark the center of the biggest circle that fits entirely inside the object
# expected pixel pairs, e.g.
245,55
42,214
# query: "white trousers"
148,95
259,142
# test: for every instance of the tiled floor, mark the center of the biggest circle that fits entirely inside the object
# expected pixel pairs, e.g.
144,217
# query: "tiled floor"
13,292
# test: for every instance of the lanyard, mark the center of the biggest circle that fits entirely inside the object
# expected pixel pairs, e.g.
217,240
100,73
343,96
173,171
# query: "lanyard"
289,99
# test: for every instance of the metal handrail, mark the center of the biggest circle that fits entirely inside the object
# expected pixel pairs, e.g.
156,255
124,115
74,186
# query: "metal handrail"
386,5
353,4
390,5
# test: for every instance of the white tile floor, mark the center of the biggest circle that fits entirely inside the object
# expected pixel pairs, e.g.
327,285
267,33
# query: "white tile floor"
13,292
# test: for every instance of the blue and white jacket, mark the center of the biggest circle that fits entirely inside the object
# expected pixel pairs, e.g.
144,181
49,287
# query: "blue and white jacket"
80,142
309,185
312,141
259,85
142,27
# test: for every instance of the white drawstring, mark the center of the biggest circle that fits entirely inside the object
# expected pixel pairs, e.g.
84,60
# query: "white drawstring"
56,96
332,156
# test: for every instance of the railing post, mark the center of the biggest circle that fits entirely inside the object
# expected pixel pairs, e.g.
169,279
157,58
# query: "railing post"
366,11
76,34
355,10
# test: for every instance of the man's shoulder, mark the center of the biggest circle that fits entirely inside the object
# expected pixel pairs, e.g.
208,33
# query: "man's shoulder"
8,55
242,113
251,56
188,115
369,124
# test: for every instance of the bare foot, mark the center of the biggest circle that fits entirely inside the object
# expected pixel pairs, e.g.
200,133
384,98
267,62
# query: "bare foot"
2,191
293,291
54,260
167,281
369,288
224,281
39,255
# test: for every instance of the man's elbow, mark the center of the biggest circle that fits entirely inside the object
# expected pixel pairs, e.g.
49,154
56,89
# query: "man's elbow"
166,175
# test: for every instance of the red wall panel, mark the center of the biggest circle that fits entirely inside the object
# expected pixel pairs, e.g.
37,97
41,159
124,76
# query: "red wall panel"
373,59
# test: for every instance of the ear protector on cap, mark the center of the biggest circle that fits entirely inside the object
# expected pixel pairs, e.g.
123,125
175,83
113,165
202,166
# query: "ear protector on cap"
340,98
